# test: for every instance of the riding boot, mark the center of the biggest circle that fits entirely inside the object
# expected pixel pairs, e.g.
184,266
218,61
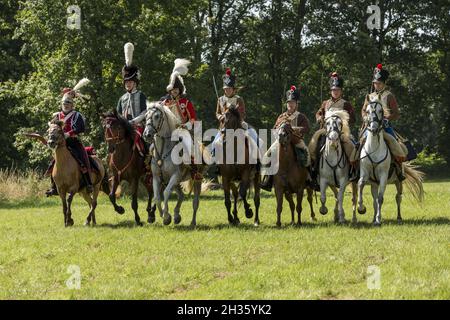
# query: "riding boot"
88,182
400,171
53,191
267,183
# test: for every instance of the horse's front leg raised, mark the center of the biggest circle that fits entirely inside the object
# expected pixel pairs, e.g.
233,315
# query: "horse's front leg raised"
112,195
134,200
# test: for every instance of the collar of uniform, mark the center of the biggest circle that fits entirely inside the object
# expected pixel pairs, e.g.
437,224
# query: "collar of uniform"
381,91
335,100
132,91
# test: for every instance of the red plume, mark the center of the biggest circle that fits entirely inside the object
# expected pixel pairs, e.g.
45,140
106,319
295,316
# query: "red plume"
228,72
293,88
380,66
334,74
66,90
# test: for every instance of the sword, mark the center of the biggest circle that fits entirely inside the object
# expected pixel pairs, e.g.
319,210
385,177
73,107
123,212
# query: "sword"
215,86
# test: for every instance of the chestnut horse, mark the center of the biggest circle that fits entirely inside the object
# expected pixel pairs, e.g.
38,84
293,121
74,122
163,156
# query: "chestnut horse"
243,172
290,178
67,175
126,163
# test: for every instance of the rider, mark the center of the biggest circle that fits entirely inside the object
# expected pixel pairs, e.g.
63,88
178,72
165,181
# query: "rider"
229,99
300,125
183,109
389,103
74,124
132,105
336,102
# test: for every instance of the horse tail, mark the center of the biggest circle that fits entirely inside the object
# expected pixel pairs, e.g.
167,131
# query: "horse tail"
188,186
414,181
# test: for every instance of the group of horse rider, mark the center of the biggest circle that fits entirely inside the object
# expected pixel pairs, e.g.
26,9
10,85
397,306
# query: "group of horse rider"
132,106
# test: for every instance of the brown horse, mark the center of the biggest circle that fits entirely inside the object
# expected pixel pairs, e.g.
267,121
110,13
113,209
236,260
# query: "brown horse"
244,172
290,178
67,175
126,163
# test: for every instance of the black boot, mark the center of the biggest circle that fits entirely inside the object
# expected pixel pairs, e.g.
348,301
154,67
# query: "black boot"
88,182
53,191
267,183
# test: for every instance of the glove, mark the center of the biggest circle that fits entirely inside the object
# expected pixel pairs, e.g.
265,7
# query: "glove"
244,125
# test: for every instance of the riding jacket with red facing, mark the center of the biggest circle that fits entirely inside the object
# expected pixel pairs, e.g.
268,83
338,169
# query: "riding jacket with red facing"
181,107
74,122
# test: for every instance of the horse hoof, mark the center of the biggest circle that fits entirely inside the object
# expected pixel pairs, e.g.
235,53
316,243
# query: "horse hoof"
362,210
151,219
236,222
323,210
87,223
193,225
399,222
377,224
139,224
278,224
299,224
69,223
256,224
313,219
249,213
177,219
342,221
120,210
167,220
354,221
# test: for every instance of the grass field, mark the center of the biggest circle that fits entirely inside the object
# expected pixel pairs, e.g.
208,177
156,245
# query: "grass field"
317,261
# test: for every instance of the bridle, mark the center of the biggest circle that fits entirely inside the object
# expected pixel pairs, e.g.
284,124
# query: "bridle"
109,134
149,123
342,160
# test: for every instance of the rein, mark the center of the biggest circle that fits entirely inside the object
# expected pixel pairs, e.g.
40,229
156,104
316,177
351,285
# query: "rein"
340,158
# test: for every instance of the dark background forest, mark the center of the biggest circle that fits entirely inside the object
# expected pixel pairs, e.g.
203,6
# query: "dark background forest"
269,44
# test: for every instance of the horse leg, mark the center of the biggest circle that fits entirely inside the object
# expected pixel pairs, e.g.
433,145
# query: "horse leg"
382,189
69,210
336,206
310,201
174,180
323,196
299,206
134,201
157,192
88,199
361,208
398,198
256,198
150,210
245,185
196,202
112,196
235,193
374,189
64,205
279,196
176,210
289,199
354,200
341,202
226,192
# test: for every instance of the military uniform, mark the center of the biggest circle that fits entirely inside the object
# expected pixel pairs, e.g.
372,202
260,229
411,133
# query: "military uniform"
73,125
133,104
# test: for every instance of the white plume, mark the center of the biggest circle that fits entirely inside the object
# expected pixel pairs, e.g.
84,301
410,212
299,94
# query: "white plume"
81,84
128,49
180,69
181,66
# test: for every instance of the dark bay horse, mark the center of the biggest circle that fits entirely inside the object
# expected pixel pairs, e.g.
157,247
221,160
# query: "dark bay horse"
245,173
126,163
290,178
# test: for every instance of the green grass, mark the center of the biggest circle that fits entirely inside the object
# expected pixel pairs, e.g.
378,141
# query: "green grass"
317,261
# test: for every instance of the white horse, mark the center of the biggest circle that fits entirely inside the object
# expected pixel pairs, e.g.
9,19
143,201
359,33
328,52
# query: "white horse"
334,165
375,166
160,123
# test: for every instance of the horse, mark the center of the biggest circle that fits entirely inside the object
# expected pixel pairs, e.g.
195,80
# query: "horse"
376,169
290,177
67,175
126,163
245,173
160,123
334,165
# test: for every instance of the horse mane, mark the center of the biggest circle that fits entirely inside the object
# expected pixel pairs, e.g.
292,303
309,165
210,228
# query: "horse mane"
377,99
171,118
344,116
129,131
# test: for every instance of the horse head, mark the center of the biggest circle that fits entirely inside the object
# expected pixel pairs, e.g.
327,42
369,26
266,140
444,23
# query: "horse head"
154,120
117,129
284,132
375,116
232,118
336,125
55,134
